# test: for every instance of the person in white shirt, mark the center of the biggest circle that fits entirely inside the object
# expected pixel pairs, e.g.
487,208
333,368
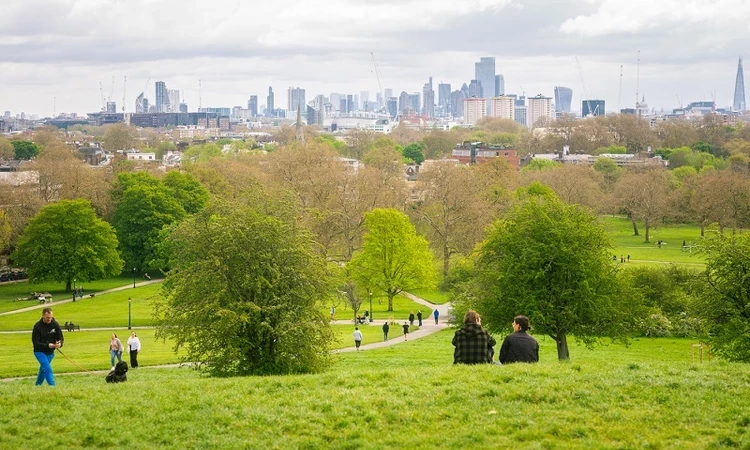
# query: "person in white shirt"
134,345
357,337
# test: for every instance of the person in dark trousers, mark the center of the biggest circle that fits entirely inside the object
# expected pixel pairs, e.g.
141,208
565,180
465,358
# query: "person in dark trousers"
473,344
411,318
357,337
386,328
436,314
46,337
134,346
419,317
519,346
405,326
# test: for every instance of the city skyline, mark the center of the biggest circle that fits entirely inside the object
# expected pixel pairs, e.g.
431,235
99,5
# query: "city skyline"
55,53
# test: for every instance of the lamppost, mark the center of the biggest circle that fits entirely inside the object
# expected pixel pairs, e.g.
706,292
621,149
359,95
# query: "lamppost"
133,276
371,319
129,308
74,290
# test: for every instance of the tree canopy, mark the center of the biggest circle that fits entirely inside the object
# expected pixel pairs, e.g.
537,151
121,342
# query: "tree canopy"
393,257
65,241
551,262
243,295
25,149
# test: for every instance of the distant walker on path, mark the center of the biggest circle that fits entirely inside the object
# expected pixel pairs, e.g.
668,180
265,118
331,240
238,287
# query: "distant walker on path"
405,326
357,337
436,314
386,328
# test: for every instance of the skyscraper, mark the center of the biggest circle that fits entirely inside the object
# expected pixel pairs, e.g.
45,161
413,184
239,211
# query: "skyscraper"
296,99
162,97
403,102
444,98
739,89
252,105
428,100
484,72
563,99
538,108
269,101
476,89
499,85
174,100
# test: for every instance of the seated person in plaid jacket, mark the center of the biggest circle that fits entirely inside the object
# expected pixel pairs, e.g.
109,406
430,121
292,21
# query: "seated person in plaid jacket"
473,344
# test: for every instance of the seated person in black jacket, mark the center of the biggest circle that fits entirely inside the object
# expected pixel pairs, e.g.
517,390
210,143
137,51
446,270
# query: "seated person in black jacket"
519,346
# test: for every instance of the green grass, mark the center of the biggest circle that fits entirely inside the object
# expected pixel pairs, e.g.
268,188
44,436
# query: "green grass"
625,243
87,349
402,306
435,296
9,292
101,311
409,395
370,334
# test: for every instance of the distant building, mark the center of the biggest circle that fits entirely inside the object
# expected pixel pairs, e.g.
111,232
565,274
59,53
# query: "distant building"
392,105
484,73
499,85
174,99
592,108
478,152
270,108
415,102
428,100
444,98
457,103
403,102
252,105
539,107
111,107
739,89
474,110
183,107
520,115
296,99
563,99
162,97
476,89
502,107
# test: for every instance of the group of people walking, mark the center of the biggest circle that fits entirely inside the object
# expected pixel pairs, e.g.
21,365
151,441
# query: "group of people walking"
47,336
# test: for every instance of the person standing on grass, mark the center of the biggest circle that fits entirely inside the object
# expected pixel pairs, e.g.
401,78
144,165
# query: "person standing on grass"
436,314
46,337
115,350
405,326
419,317
519,346
134,346
474,345
357,337
386,328
411,318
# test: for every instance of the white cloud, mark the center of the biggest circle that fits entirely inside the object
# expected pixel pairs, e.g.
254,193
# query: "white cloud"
633,16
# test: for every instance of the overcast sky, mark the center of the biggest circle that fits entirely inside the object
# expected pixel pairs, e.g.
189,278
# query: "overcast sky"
63,49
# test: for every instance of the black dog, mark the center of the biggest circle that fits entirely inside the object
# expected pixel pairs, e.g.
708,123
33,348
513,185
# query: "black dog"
120,373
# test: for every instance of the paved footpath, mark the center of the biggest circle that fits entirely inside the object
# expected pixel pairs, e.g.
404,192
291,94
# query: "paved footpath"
70,300
428,327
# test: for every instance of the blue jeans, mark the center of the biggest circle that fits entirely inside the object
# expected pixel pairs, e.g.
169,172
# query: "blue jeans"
45,368
113,354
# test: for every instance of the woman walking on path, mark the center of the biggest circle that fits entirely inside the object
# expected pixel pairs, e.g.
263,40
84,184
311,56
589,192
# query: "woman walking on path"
115,350
134,345
406,331
419,317
411,318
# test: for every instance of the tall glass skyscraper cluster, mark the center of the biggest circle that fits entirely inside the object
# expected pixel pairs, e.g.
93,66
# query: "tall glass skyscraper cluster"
484,72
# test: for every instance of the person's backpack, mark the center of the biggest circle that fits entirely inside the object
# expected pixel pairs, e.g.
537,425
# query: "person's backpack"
118,375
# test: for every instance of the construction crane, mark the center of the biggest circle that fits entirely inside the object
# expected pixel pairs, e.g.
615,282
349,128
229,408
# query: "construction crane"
638,85
679,102
619,92
124,82
101,92
111,90
583,85
379,76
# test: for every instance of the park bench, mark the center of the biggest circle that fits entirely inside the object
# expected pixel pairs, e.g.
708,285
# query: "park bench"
70,326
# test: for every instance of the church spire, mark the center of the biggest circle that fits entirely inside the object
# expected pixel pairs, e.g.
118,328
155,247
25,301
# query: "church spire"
299,134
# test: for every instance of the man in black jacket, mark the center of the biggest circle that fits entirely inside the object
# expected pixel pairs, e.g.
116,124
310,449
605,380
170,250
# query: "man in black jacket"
46,337
519,346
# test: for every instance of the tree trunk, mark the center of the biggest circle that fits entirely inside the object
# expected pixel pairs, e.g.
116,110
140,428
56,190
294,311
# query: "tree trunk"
703,228
635,226
390,302
67,286
647,227
562,347
446,260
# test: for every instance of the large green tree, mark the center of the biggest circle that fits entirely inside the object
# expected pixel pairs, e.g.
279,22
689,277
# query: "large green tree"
393,257
25,149
243,295
186,190
726,299
141,214
66,242
552,262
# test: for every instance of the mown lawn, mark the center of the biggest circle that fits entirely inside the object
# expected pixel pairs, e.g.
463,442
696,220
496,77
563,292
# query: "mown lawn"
435,296
402,306
107,310
410,395
671,251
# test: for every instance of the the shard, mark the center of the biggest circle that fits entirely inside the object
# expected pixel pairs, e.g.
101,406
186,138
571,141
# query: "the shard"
739,89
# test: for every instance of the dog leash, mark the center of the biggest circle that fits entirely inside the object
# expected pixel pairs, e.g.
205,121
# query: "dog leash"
71,361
